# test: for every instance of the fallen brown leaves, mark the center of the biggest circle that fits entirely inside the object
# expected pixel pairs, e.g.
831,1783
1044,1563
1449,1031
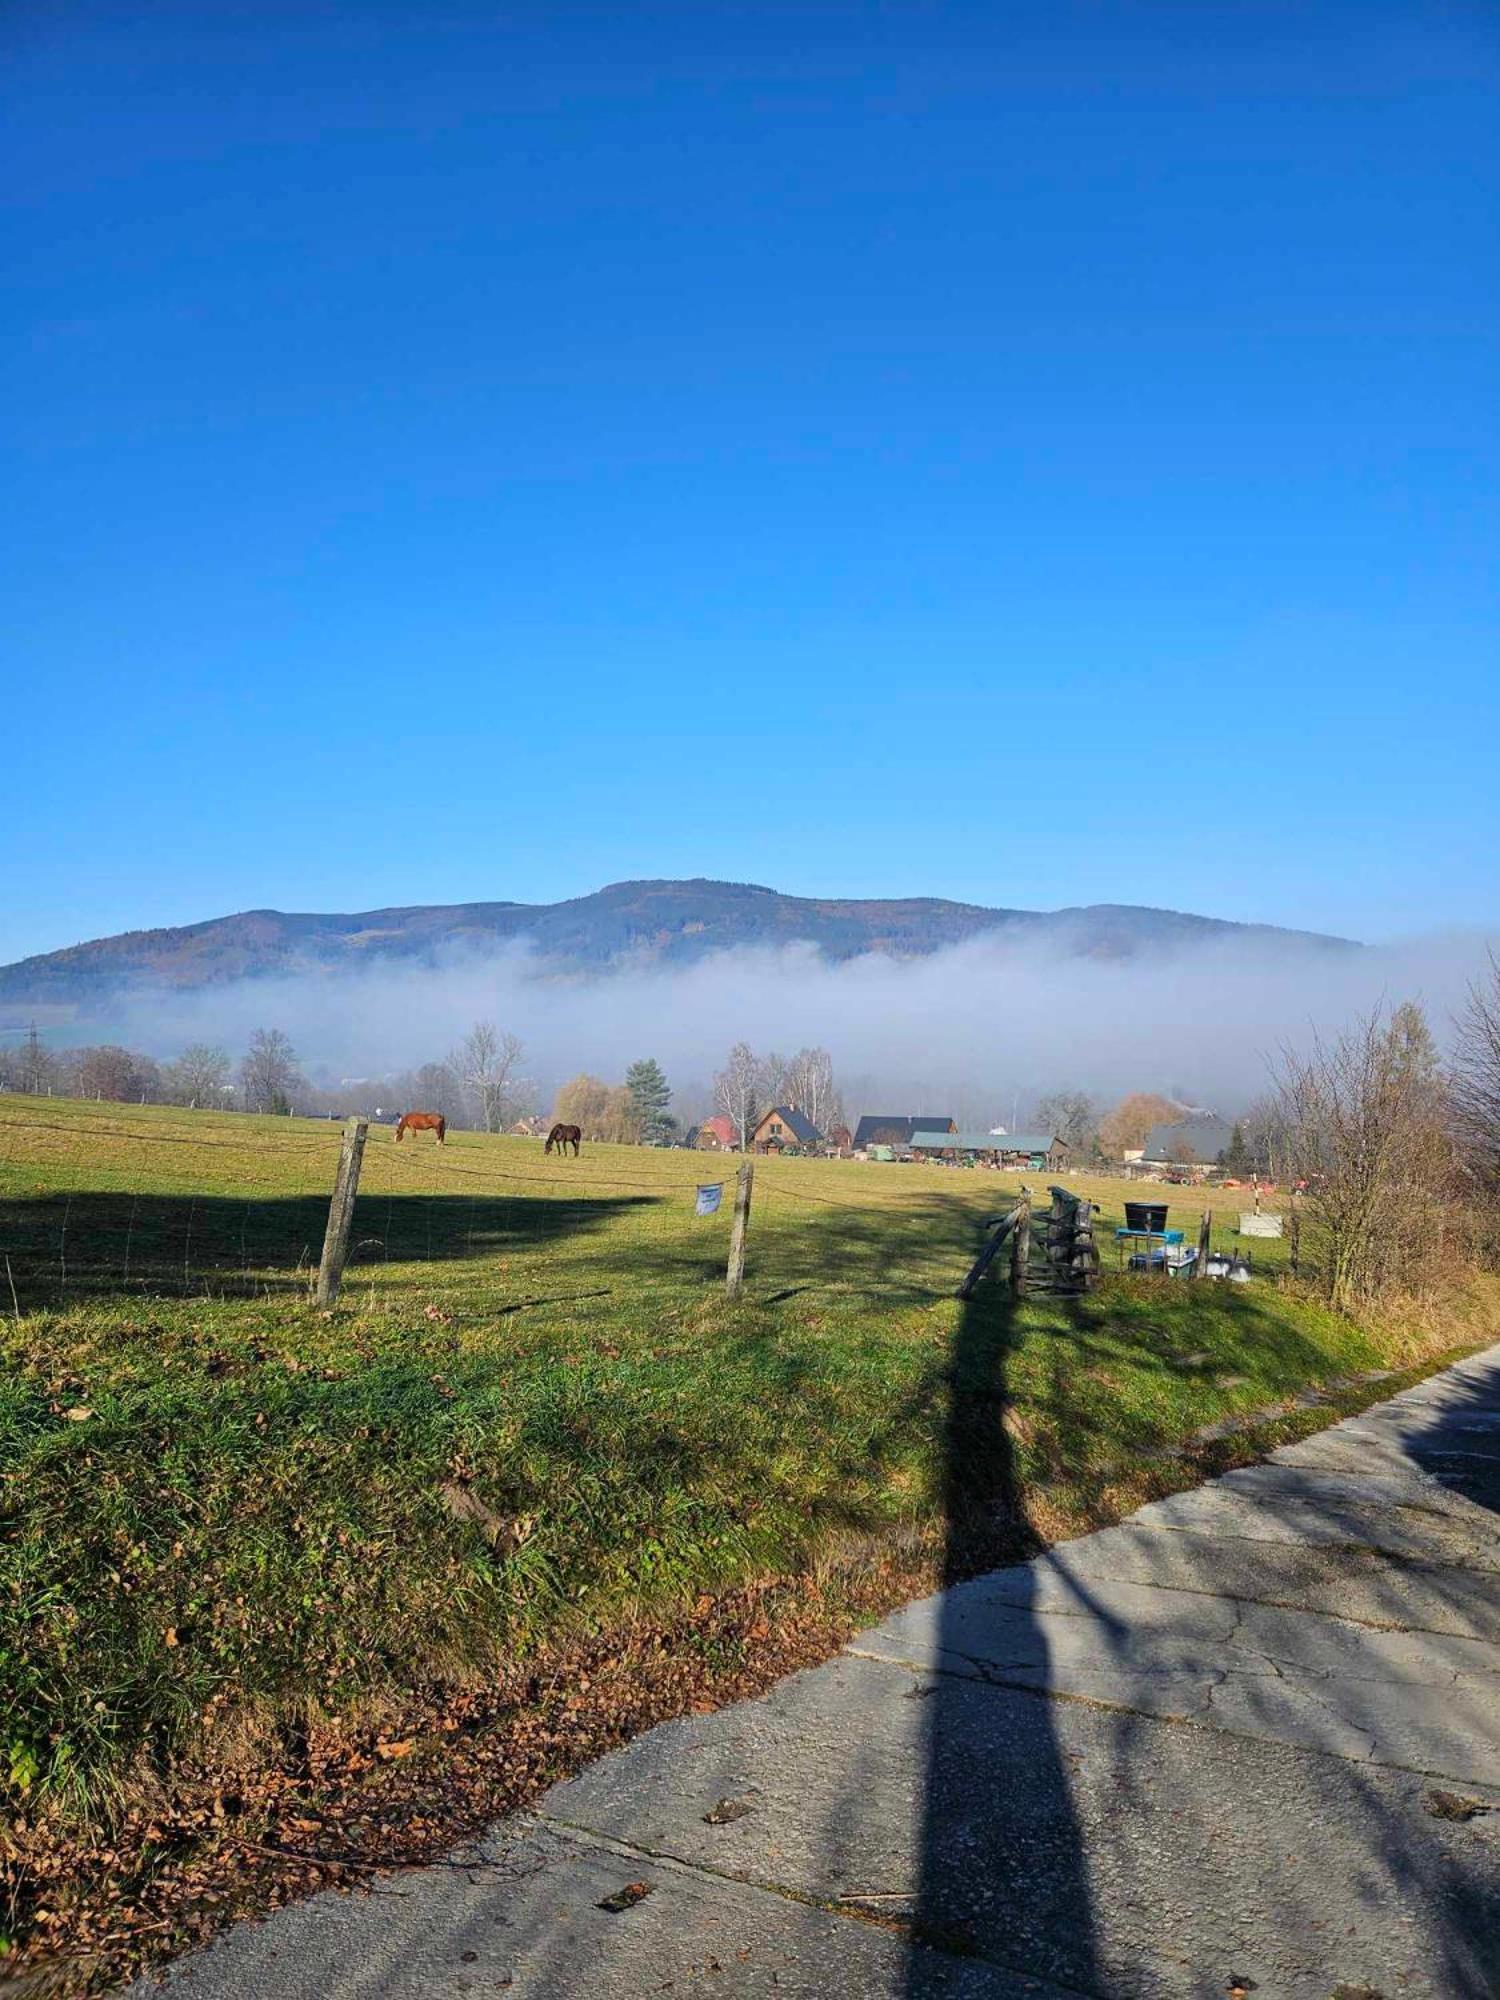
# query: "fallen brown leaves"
329,1806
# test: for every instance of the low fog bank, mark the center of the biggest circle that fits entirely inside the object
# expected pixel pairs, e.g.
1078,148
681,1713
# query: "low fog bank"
986,1024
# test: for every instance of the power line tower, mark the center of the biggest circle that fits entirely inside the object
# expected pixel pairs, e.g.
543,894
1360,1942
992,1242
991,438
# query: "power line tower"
36,1063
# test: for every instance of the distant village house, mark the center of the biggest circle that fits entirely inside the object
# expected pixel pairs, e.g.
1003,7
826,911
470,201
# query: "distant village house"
716,1135
785,1130
1193,1142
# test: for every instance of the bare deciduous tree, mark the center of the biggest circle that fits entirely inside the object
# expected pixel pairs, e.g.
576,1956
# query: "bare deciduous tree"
1476,1083
487,1061
29,1067
199,1076
810,1087
775,1080
111,1073
1364,1121
435,1086
269,1074
737,1092
1069,1115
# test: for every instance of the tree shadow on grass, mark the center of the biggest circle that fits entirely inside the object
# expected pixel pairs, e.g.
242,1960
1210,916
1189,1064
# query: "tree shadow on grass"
66,1248
898,1254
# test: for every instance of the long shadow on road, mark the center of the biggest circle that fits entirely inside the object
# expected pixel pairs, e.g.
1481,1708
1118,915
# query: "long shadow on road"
1113,1851
1000,1855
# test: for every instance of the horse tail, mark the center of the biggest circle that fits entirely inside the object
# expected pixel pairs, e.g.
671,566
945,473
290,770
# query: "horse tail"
442,1130
400,1129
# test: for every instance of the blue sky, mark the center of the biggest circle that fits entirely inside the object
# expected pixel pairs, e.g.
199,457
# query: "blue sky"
1029,453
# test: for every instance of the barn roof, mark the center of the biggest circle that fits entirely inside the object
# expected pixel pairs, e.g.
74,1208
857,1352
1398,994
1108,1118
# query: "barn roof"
957,1142
982,1142
877,1129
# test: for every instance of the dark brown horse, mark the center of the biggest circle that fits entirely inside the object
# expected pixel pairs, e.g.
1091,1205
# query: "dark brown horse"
563,1136
421,1121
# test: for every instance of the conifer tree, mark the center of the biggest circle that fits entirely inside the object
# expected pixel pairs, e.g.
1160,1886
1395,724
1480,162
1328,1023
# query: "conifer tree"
650,1094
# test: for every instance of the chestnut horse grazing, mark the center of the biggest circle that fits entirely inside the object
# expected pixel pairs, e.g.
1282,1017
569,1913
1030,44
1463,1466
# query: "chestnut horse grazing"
563,1136
421,1121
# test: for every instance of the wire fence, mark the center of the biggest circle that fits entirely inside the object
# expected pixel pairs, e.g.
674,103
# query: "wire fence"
99,1207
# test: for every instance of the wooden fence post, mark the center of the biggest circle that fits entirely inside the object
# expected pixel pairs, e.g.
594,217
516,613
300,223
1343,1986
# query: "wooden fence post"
1020,1249
341,1211
1205,1230
1295,1247
743,1183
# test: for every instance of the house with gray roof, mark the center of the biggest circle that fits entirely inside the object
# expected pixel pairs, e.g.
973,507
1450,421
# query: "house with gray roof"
1190,1142
785,1129
892,1129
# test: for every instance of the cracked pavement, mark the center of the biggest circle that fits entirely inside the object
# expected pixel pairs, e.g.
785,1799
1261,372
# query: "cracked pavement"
1209,1745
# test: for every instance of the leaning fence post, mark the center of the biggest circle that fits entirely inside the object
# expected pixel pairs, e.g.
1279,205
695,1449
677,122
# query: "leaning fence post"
341,1211
744,1181
1295,1247
999,1227
1020,1249
1205,1230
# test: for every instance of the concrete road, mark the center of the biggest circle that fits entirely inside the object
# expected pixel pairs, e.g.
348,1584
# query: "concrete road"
1248,1739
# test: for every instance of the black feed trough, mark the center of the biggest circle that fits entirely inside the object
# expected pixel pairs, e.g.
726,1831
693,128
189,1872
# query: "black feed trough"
1147,1216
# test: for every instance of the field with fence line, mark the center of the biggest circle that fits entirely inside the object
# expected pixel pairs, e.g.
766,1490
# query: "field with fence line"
231,1522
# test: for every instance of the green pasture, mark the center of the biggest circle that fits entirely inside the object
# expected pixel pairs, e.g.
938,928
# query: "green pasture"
533,1412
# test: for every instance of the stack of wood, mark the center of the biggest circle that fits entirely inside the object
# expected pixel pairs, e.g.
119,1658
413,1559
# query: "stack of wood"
1072,1254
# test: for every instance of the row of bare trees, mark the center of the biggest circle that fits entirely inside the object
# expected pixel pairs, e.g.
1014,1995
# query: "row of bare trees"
750,1085
1398,1154
479,1084
267,1078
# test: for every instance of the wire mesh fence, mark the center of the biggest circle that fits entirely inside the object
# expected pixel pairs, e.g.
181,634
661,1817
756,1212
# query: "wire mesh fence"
98,1205
107,1202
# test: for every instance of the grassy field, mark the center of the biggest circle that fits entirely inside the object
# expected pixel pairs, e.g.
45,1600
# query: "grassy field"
533,1418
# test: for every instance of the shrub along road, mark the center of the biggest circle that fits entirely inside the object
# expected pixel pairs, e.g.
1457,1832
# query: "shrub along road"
1248,1740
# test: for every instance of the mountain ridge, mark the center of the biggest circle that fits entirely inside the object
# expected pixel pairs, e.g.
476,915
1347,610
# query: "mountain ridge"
668,920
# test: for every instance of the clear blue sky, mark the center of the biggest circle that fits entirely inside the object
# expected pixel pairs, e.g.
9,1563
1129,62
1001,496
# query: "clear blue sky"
1033,453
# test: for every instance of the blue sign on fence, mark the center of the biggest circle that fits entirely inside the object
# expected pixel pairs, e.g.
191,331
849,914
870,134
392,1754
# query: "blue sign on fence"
709,1199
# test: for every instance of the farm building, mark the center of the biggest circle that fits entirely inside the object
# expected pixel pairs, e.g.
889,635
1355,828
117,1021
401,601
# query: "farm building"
956,1145
1033,1151
880,1130
1040,1151
785,1130
715,1135
841,1139
1192,1142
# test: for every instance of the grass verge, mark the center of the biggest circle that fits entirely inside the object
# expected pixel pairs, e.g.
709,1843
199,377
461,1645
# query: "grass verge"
286,1595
